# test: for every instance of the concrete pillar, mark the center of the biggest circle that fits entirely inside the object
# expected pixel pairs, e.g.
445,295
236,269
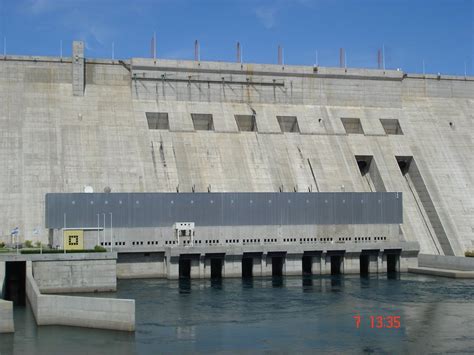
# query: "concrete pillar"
206,267
197,267
232,266
408,259
351,263
2,278
266,265
293,265
381,264
316,265
325,264
373,264
78,68
172,267
6,317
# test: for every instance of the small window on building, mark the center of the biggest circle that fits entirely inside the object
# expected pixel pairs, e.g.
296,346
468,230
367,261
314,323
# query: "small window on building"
202,121
391,126
246,123
157,120
288,124
352,125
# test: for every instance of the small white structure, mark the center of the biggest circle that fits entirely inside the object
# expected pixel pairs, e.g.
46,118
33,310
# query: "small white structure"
184,233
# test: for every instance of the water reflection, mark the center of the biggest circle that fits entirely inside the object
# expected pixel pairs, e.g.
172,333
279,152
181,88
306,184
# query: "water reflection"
247,282
216,283
184,286
277,281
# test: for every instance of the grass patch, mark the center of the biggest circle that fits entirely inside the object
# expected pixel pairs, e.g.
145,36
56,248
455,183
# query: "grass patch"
61,251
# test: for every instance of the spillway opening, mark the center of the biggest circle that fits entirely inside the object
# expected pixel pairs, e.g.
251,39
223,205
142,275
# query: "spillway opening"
184,268
404,164
15,287
246,123
364,260
277,266
336,261
391,126
202,121
352,125
364,162
288,124
216,268
392,263
157,120
247,267
307,265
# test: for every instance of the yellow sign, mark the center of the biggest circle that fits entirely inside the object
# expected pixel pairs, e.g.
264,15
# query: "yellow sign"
73,239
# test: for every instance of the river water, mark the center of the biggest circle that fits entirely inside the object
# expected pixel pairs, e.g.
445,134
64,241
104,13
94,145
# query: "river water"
283,315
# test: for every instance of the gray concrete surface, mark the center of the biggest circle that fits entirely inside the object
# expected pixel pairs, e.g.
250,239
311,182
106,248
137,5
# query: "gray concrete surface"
6,317
54,141
456,274
2,277
75,276
459,263
103,313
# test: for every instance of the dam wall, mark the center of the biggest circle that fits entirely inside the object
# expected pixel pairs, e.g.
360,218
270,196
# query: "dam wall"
6,317
89,312
85,275
144,125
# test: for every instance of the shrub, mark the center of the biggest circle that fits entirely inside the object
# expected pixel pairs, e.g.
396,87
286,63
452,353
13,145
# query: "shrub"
38,244
469,254
2,245
98,248
28,244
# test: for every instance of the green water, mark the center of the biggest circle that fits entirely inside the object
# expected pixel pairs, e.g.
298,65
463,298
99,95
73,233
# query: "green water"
282,315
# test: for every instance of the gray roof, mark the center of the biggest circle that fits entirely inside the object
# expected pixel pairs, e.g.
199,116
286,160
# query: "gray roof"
131,210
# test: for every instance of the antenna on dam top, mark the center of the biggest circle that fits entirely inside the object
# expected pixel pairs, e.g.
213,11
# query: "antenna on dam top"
342,56
4,46
197,52
153,45
280,55
379,59
239,57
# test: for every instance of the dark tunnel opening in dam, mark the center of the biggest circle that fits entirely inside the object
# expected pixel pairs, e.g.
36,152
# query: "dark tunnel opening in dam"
336,261
364,264
277,266
307,265
184,268
15,287
247,266
216,268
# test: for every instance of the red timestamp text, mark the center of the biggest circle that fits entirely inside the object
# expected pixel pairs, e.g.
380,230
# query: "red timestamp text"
378,322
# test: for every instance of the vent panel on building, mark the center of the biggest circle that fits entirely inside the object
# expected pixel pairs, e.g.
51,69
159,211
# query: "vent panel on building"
391,126
157,120
288,124
352,125
202,121
246,123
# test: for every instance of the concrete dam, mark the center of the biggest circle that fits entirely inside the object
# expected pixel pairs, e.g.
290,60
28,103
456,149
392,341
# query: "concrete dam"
145,126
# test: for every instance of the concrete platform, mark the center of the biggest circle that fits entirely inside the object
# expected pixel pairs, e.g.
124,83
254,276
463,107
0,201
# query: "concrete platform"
456,274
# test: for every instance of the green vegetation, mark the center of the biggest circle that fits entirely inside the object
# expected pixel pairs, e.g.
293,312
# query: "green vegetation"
61,251
469,254
38,244
98,248
28,244
2,245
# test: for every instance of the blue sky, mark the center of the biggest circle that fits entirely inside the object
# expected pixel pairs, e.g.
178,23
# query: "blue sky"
440,32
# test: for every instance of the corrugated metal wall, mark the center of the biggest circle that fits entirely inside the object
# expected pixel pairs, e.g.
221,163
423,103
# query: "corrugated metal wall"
222,209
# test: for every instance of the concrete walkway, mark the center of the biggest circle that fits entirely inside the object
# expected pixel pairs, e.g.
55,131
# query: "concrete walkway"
456,274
